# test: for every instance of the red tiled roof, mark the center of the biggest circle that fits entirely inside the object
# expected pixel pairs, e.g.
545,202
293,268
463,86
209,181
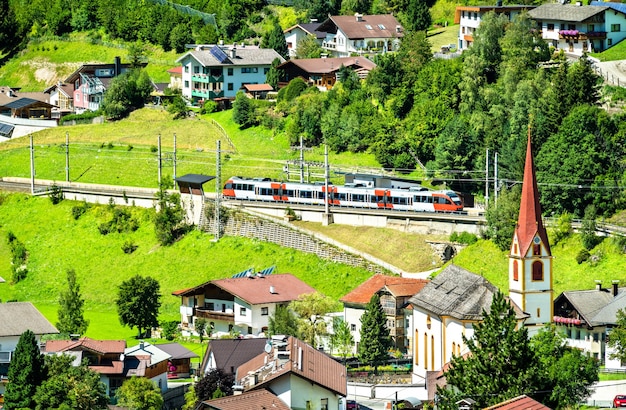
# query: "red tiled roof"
522,402
329,65
367,27
404,286
258,289
529,222
85,343
252,400
116,367
258,87
176,70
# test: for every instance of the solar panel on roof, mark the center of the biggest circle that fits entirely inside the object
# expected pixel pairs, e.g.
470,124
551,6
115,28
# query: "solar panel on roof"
243,274
218,53
267,271
6,130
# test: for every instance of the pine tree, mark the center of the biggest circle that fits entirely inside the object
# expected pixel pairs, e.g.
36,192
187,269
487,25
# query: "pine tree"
71,316
375,340
275,38
418,16
500,365
26,372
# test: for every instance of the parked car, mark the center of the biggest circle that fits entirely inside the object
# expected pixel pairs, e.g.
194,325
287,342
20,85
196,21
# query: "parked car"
619,401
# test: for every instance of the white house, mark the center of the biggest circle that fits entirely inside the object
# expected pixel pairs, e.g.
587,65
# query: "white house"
242,304
469,17
579,29
147,360
15,319
297,33
361,34
213,71
394,292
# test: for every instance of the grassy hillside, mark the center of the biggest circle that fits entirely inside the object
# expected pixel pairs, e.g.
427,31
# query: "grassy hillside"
56,242
45,62
124,152
485,259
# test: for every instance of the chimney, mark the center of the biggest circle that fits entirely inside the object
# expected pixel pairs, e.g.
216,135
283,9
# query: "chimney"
141,345
359,17
118,66
272,290
598,285
615,284
233,52
398,29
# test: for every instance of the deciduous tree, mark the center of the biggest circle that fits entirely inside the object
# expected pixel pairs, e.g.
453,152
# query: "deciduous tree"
26,372
213,381
375,340
71,387
71,312
169,219
138,303
308,47
243,111
139,393
342,338
502,217
283,322
311,308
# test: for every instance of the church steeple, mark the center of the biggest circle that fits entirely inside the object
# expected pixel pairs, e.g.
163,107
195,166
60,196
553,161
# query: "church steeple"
530,260
529,222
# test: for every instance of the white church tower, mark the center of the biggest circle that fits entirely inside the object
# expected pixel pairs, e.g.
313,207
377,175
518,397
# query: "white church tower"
530,260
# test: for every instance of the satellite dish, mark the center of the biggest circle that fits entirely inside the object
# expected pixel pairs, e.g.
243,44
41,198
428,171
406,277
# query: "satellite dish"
122,357
268,348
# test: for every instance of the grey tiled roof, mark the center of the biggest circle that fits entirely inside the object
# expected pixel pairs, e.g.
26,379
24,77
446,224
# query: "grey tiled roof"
596,307
18,317
458,293
608,314
243,56
565,12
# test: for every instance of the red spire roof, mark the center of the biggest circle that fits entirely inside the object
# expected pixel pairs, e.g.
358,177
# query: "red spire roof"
529,222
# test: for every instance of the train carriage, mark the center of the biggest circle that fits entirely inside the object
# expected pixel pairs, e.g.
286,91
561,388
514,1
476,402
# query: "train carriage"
264,189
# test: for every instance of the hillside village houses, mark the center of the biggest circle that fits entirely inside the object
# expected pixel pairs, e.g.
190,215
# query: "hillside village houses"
574,28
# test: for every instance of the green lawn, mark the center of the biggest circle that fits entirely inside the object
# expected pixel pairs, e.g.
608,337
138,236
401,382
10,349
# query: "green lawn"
56,242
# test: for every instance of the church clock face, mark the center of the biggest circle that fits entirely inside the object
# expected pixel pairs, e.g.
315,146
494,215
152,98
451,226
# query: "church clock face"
537,240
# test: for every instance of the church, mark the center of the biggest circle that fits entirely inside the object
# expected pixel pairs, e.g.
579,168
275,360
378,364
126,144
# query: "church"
447,308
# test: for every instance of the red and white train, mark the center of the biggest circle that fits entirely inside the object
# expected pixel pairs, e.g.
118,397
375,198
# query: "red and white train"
411,199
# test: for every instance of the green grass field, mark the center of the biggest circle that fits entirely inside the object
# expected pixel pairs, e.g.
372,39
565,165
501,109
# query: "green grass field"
56,242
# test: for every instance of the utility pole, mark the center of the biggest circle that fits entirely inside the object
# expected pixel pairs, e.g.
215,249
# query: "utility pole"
218,190
301,160
32,165
487,179
67,157
174,159
159,154
327,219
495,179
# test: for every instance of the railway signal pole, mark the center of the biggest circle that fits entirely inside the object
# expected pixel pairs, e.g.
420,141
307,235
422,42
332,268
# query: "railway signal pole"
174,160
67,157
32,165
218,172
327,219
159,155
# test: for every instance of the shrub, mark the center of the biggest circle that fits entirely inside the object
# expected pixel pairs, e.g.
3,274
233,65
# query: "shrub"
582,256
209,107
467,238
154,148
55,194
121,221
169,329
18,258
129,247
79,210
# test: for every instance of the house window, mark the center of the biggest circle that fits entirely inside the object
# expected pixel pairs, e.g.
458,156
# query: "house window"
591,27
264,311
242,311
416,347
186,83
538,312
609,41
230,71
550,27
186,68
367,26
432,352
324,404
210,306
571,26
230,86
248,70
380,26
425,351
475,16
615,27
428,321
352,327
515,271
196,69
537,270
266,70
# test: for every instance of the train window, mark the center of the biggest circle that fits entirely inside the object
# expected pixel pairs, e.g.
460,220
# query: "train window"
288,192
358,197
378,198
306,194
229,185
275,191
321,195
265,191
249,187
341,196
